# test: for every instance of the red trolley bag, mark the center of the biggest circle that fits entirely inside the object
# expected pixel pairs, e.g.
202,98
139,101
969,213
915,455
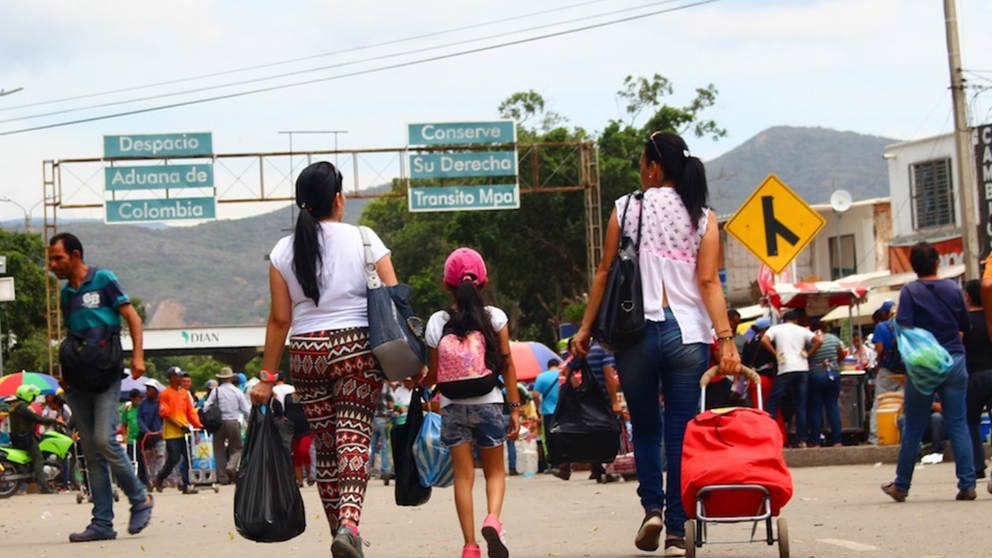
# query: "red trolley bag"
733,446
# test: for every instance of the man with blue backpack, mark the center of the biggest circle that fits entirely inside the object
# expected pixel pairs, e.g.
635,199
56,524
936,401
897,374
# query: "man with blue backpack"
890,367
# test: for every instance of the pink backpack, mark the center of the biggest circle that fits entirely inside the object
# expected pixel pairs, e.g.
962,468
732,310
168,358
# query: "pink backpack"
461,366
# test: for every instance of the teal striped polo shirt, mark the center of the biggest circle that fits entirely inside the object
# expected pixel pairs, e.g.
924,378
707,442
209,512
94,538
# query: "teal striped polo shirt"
91,310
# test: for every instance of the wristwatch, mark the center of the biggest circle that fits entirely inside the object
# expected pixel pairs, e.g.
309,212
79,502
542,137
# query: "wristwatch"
515,405
267,376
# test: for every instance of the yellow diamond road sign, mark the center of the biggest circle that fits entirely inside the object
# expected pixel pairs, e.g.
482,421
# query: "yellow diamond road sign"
775,223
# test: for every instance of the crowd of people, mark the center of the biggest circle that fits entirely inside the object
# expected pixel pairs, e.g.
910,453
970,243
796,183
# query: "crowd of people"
344,408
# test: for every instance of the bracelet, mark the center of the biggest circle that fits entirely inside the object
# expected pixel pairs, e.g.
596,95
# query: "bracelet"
515,405
266,376
727,338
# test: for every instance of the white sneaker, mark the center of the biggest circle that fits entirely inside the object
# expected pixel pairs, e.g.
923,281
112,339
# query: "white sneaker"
932,459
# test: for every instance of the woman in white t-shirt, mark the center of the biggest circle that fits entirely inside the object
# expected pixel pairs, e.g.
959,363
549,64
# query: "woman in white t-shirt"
317,282
679,247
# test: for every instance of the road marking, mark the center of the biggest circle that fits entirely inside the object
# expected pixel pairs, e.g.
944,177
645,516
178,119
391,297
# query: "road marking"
850,545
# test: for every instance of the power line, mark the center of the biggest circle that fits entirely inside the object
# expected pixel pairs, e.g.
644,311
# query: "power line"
305,58
333,66
362,72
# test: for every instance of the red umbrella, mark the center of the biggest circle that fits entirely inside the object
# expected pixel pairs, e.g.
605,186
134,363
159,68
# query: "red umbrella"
530,358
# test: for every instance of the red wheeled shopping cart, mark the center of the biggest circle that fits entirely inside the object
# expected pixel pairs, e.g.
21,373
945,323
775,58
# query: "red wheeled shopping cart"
733,471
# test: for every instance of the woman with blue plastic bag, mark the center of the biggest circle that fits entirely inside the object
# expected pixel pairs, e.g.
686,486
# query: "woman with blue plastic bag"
469,349
317,284
937,306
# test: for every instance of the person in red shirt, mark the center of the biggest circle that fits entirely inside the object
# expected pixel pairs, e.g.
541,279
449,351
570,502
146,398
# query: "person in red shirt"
178,415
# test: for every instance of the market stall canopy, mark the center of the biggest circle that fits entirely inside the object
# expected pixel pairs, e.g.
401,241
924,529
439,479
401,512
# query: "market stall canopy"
861,312
885,278
818,297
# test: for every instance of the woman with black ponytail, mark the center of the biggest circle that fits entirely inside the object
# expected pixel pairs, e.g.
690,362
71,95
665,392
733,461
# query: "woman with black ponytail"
317,282
683,302
469,346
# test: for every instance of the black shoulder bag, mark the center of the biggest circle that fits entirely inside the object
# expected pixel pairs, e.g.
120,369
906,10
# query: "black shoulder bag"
91,366
620,322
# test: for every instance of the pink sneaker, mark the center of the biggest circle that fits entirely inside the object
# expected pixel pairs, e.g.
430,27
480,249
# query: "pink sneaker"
492,531
471,551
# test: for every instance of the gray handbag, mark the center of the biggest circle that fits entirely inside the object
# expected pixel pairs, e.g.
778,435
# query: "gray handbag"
395,334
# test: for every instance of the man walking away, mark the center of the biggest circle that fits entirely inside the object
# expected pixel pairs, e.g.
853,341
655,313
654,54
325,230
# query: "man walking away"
93,303
790,347
233,405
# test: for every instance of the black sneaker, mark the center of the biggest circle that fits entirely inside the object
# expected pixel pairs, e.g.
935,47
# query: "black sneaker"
649,531
675,547
564,472
190,490
93,533
346,544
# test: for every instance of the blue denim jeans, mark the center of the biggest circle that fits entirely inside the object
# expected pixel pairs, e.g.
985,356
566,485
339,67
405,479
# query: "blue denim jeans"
95,415
661,363
824,393
796,383
380,445
917,411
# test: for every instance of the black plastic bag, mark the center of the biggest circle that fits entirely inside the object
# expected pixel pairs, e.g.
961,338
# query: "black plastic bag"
268,506
408,490
584,428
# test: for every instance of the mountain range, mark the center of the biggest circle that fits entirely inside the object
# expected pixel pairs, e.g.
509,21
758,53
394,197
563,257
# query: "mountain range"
215,273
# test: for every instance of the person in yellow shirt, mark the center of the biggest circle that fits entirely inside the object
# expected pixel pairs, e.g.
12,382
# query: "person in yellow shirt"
178,415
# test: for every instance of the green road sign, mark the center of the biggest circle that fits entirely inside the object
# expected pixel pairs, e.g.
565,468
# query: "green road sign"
463,133
158,145
158,177
460,165
463,198
160,210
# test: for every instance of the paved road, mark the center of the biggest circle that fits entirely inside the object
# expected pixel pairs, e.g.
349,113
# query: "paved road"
836,512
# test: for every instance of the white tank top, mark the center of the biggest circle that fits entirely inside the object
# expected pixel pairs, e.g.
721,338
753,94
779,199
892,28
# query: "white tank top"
668,249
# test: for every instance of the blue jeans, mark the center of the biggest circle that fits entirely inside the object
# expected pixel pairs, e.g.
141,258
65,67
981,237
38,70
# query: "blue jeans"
661,363
824,393
917,411
95,415
795,383
379,445
511,448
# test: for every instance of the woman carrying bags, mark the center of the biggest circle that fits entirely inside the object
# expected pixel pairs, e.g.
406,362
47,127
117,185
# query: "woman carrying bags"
683,300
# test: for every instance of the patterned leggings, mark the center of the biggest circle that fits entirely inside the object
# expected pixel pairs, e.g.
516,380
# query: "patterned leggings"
338,382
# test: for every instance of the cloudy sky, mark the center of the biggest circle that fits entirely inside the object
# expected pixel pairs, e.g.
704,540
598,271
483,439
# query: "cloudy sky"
869,66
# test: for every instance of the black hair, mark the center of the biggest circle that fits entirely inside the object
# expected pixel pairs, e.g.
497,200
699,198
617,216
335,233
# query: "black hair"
69,242
878,316
671,152
792,315
923,257
973,287
317,186
468,315
552,362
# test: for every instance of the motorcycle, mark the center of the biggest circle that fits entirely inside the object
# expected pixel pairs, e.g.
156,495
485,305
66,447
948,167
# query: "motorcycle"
16,467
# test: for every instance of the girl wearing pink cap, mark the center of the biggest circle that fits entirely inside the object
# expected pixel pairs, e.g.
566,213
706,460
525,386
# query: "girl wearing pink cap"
469,349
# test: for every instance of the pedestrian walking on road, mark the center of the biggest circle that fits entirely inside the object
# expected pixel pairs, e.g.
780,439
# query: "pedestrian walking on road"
317,284
936,305
683,300
93,304
178,417
234,408
469,350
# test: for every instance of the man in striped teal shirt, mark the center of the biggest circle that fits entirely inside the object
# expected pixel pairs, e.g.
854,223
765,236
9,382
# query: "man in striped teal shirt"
93,304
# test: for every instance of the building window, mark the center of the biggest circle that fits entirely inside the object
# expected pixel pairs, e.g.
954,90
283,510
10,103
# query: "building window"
843,262
932,194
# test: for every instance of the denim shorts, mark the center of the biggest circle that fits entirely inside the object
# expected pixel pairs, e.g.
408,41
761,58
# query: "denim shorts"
483,424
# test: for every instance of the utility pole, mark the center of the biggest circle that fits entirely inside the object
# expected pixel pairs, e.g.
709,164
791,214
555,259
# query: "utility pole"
962,144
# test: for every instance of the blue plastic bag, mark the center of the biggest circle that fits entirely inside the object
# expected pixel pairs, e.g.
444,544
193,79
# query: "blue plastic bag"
434,465
927,362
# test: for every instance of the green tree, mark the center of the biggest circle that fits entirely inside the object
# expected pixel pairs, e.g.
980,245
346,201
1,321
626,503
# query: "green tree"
22,320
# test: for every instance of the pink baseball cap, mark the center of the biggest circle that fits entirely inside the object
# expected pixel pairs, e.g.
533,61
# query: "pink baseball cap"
462,264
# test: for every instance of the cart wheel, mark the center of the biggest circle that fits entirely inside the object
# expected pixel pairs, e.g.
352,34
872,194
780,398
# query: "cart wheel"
216,487
783,538
79,498
690,539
